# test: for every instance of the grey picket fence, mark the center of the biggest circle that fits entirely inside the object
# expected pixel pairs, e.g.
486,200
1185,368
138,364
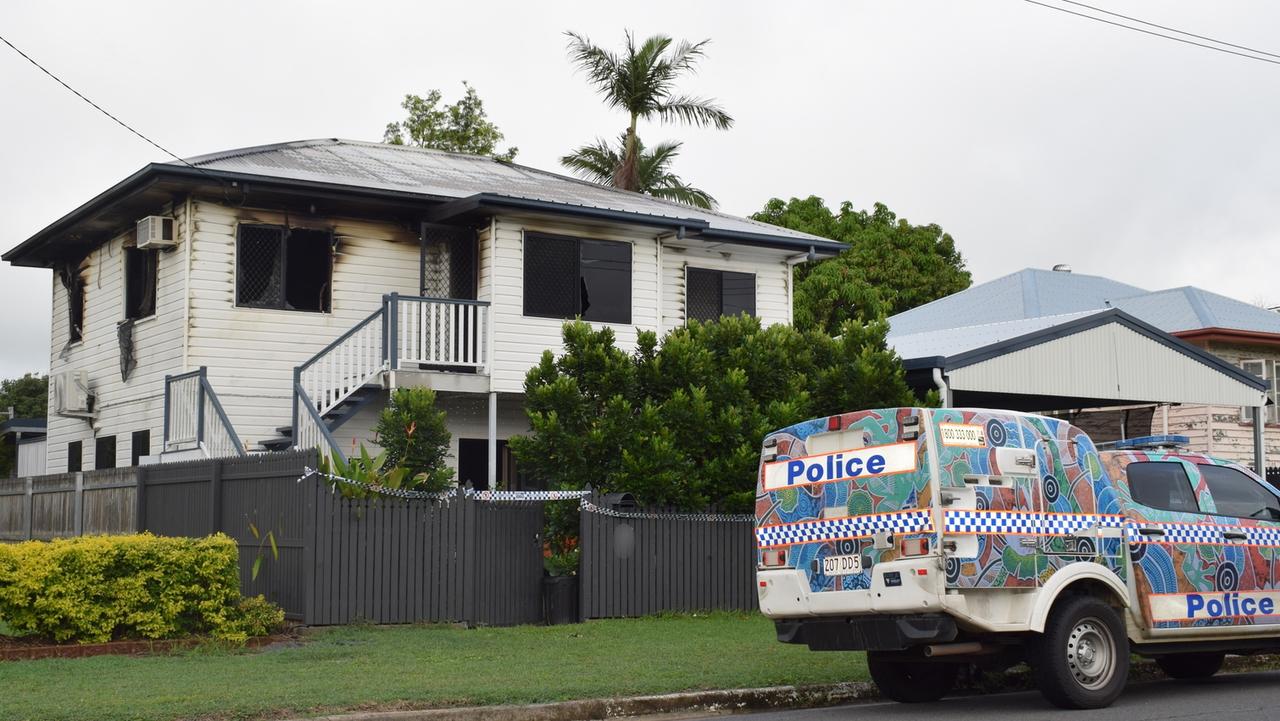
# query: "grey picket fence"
645,562
388,560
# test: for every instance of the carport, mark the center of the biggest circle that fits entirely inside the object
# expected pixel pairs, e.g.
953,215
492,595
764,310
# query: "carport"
1090,359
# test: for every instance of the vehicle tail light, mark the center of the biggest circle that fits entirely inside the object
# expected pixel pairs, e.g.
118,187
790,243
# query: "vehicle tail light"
776,558
914,546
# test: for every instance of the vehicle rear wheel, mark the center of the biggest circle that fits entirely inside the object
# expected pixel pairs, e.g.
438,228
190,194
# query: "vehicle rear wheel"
1191,665
911,681
1082,658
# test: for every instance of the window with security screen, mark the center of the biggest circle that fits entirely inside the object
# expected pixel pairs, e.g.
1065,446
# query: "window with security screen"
284,268
1268,370
710,294
577,277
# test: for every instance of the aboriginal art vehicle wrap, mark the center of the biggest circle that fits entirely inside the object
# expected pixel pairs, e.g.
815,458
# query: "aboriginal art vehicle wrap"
1004,500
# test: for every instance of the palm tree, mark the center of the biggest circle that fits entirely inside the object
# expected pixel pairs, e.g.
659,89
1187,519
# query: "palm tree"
641,81
600,161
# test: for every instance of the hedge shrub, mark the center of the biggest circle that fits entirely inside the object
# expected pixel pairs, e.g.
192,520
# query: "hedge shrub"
98,588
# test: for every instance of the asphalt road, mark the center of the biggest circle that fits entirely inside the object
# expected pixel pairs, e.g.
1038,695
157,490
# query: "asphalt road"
1230,697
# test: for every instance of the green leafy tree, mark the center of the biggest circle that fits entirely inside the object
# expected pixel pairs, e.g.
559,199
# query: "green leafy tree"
890,266
641,81
28,396
415,438
462,127
680,422
600,161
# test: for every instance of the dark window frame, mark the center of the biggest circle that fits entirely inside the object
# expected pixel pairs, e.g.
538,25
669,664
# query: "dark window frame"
530,307
75,456
1262,491
1190,488
144,306
721,275
282,302
135,446
98,443
76,311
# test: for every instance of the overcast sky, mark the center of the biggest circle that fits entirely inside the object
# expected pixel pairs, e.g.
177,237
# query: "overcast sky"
1032,136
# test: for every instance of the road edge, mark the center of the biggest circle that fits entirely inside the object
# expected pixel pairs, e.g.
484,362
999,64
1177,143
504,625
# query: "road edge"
731,700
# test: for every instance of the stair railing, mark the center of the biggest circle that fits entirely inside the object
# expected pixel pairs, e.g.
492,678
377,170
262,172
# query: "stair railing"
331,376
194,417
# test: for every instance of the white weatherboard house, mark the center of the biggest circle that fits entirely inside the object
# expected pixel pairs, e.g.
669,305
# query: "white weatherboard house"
267,298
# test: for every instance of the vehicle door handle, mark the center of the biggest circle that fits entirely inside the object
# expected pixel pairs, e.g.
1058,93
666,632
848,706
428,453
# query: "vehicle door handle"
1151,531
1235,536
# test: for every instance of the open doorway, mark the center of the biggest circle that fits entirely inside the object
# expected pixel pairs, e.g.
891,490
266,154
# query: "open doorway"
473,466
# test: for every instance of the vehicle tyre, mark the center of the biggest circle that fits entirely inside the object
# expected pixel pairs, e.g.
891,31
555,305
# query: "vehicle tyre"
1191,665
911,681
1081,660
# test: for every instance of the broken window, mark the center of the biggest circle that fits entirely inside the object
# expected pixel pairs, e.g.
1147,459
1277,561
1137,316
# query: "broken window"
568,277
284,268
104,452
710,294
139,283
73,283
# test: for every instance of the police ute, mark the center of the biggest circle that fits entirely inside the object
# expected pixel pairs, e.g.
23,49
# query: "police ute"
943,539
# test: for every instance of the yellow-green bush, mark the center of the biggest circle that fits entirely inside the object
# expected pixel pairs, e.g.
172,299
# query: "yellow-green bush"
99,588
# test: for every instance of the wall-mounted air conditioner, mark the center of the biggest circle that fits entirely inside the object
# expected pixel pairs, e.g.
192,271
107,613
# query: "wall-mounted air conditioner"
155,231
71,393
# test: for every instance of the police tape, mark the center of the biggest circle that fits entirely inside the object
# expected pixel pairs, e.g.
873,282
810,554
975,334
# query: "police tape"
526,496
402,493
523,497
590,507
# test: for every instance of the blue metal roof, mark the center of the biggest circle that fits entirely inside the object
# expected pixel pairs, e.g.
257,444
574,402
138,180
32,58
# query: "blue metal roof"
1029,293
1036,296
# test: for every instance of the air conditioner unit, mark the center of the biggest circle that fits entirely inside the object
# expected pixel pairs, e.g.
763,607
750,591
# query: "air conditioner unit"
71,393
155,231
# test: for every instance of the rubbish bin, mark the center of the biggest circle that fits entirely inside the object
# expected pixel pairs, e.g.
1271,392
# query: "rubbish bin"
560,600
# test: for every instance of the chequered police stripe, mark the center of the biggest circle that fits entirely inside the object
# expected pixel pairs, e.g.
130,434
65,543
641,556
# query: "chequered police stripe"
1025,522
835,529
1176,533
1258,535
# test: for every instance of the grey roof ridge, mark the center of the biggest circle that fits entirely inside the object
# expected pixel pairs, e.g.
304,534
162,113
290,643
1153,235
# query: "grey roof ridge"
259,149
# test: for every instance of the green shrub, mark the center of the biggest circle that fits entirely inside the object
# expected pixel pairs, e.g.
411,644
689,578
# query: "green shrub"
415,437
98,588
259,617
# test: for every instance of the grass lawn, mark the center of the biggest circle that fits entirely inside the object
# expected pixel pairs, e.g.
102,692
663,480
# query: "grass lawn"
415,666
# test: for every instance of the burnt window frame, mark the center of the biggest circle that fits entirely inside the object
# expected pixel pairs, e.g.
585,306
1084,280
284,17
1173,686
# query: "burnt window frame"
576,301
721,273
98,443
151,266
75,310
282,303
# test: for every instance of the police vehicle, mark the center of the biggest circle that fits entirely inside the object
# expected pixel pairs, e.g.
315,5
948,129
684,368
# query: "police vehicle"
935,539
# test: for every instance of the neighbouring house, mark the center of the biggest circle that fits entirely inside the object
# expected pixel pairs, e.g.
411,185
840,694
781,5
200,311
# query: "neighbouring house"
269,297
26,435
1187,331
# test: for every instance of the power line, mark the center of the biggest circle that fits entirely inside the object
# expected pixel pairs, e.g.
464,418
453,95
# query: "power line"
1156,34
1172,30
99,108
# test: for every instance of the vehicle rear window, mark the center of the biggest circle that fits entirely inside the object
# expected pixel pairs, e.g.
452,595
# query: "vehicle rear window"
1236,494
1162,484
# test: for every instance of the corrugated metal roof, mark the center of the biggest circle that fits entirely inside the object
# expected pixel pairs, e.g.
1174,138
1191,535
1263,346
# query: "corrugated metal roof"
1029,293
953,341
457,176
1190,308
1032,294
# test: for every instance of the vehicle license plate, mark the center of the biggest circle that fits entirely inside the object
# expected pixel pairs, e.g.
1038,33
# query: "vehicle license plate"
841,565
